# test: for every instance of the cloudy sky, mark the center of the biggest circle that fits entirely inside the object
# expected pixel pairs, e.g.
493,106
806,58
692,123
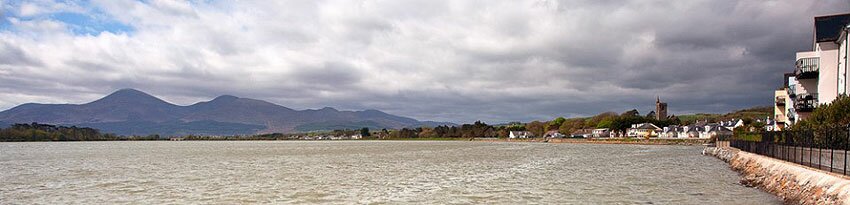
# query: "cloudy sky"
444,60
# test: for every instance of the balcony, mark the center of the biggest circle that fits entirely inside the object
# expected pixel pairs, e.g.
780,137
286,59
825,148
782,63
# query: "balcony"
780,118
806,102
780,101
790,115
807,68
792,91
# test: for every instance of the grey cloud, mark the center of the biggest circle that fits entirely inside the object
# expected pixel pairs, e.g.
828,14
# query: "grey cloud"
331,76
15,56
495,61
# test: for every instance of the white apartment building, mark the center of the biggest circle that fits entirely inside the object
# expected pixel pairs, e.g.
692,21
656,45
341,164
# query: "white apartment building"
820,75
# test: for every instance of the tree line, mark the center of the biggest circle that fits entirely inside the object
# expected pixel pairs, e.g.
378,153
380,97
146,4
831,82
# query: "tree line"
477,129
610,120
46,132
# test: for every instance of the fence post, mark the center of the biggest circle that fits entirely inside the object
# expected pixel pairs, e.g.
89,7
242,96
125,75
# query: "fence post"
770,151
784,148
811,152
828,143
802,151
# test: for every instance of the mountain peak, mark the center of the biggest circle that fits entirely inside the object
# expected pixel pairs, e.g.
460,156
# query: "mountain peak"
225,97
129,95
130,91
373,111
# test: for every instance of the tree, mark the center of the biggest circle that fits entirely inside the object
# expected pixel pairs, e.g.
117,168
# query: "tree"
536,128
626,121
502,132
427,133
605,117
556,123
45,132
515,127
651,114
633,112
571,126
606,123
364,132
836,113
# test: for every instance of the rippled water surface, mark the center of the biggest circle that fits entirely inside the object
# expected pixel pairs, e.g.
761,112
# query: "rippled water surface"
348,172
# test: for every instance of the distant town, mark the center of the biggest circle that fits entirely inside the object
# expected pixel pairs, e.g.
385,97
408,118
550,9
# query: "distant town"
657,124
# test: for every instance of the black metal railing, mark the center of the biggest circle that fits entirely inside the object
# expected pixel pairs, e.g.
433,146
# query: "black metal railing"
807,68
824,149
806,102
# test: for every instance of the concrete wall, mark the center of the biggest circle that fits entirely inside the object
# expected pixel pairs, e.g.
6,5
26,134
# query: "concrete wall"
779,111
791,182
828,75
844,62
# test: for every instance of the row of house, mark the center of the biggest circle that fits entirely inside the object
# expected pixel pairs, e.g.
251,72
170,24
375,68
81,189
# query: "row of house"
700,129
330,137
819,75
581,133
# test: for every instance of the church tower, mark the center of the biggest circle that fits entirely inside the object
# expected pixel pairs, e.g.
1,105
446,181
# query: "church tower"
660,109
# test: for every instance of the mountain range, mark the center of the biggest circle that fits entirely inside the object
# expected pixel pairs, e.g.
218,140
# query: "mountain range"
133,112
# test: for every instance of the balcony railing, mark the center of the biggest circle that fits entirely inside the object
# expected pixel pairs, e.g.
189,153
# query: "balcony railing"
807,68
792,91
780,101
806,102
789,113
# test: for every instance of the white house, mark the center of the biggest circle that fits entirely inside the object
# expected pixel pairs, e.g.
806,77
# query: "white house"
520,134
670,132
643,130
604,132
732,124
717,131
582,133
690,131
553,134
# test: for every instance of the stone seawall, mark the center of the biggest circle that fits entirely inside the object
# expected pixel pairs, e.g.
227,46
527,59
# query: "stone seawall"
792,182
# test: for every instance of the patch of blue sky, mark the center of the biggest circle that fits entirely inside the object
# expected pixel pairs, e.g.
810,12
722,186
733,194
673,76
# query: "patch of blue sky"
5,25
81,24
92,22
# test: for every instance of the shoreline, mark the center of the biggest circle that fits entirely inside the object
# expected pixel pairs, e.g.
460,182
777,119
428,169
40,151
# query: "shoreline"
792,182
683,142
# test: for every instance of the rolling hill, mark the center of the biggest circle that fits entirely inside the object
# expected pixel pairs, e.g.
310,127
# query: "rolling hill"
133,112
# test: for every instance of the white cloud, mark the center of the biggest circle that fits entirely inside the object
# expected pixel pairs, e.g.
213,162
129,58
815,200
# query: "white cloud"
432,60
30,9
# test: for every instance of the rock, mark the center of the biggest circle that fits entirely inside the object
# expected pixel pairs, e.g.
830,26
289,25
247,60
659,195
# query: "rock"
793,183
